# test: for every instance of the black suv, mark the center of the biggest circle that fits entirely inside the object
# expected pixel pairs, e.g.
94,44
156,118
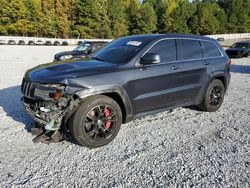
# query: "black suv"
131,77
80,51
239,49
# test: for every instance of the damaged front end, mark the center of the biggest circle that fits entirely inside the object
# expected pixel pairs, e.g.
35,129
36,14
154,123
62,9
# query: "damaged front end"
50,106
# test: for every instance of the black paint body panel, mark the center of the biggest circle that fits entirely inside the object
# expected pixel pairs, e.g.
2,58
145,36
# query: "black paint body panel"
143,89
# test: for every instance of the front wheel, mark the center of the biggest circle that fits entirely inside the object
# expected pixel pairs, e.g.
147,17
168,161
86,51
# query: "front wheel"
96,122
213,97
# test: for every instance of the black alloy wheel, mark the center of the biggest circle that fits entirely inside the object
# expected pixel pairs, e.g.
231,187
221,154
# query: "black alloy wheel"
96,122
213,97
99,123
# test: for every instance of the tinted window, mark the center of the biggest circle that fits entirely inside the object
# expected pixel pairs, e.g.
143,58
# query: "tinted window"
210,49
121,50
240,45
189,49
166,49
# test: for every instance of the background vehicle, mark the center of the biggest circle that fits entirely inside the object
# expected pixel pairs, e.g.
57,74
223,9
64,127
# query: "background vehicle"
80,51
220,39
131,77
21,42
56,43
39,42
11,42
31,42
79,43
2,42
239,49
48,43
65,43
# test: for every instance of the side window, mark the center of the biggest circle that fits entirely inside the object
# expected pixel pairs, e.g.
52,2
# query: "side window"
189,49
210,49
166,49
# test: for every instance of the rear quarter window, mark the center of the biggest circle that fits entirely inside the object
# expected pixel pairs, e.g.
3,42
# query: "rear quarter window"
210,49
189,49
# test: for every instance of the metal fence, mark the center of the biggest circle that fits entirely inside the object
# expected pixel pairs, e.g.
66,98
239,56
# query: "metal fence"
75,41
231,36
52,40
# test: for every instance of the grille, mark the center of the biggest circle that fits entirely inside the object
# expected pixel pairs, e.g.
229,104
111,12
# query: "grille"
28,88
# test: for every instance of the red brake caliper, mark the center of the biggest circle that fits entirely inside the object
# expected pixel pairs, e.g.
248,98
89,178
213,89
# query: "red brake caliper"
106,114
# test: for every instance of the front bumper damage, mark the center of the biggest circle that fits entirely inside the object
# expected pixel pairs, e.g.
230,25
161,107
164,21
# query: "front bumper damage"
50,106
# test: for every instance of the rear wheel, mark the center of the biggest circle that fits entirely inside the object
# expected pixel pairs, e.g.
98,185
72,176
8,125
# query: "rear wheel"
96,122
213,97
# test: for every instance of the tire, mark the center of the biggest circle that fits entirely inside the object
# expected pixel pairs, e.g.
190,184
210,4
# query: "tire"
96,122
213,97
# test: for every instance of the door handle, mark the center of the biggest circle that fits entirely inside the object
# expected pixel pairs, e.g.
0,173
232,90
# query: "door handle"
206,63
175,67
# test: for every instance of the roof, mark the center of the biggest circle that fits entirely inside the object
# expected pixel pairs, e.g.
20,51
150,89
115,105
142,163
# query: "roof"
170,35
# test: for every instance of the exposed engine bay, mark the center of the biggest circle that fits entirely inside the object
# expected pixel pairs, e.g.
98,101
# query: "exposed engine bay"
50,107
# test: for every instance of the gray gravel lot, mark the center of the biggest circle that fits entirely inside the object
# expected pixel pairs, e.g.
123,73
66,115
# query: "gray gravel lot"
182,148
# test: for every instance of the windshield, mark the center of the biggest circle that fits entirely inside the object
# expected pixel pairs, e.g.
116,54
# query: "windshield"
82,47
240,45
121,50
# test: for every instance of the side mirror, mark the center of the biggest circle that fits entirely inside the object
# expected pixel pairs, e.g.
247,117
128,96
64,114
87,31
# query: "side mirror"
90,51
150,58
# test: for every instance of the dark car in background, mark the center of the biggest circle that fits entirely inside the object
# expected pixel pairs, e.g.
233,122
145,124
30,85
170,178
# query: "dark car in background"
239,49
65,43
21,42
31,42
11,42
80,51
48,43
56,43
129,78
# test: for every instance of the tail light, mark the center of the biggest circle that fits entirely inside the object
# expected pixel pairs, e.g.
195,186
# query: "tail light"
229,62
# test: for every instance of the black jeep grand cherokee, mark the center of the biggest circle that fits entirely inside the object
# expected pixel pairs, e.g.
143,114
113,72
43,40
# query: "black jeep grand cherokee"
131,77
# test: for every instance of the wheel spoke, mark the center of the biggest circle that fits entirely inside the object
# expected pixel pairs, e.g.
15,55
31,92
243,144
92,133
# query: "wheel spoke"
93,118
91,132
94,137
100,113
96,121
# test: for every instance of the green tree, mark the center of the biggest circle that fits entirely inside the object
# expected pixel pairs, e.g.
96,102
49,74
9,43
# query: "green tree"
180,19
92,20
49,18
118,18
134,16
62,17
238,13
148,19
204,20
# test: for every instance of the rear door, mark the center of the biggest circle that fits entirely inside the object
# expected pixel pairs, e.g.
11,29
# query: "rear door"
193,70
175,81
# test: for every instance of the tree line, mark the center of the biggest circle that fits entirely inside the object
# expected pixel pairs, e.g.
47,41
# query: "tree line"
115,18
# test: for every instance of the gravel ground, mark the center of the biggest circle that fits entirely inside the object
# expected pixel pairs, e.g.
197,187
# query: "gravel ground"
182,148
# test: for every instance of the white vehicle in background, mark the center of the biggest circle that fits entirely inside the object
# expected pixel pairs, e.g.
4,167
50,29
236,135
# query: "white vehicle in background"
2,42
39,42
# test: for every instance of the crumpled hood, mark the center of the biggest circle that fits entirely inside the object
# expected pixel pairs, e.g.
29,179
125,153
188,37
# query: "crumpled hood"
57,72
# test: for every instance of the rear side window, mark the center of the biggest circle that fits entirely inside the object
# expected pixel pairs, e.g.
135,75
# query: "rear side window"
210,49
189,49
166,49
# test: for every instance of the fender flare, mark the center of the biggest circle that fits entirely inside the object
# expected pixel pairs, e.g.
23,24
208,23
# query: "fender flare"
210,79
106,89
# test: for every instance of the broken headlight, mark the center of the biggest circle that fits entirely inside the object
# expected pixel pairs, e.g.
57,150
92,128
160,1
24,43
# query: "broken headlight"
49,91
